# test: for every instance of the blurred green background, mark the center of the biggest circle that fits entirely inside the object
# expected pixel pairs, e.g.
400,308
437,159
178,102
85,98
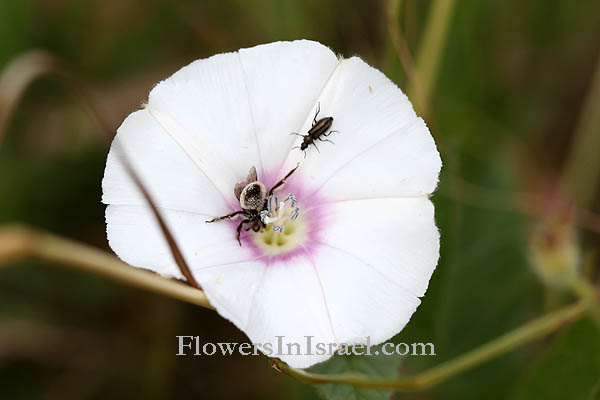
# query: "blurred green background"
513,78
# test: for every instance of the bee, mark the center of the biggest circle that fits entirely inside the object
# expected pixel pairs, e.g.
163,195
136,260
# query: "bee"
253,197
320,129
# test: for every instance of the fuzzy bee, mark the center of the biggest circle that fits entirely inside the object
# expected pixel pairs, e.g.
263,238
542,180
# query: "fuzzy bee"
253,197
320,129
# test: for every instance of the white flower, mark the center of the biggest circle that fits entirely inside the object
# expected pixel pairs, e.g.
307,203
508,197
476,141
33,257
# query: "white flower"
361,249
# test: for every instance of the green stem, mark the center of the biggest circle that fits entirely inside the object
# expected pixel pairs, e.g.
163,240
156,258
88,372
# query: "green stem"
432,45
19,242
526,333
590,295
403,52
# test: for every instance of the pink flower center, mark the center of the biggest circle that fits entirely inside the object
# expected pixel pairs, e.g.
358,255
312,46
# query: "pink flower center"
294,221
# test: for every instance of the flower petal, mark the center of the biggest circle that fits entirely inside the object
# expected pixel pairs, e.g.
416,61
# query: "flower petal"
362,301
236,110
170,176
284,80
270,301
204,108
397,237
135,236
382,148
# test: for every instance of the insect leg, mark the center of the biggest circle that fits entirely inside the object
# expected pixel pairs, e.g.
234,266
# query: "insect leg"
330,132
325,140
281,182
314,144
317,113
239,229
297,134
228,216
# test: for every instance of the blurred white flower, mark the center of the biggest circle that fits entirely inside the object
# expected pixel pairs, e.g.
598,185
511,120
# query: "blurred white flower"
359,253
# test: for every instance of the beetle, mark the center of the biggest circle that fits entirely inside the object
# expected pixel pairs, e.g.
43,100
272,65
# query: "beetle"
320,129
253,197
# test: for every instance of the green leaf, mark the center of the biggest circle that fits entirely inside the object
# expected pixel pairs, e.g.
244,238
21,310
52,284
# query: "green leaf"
570,369
376,366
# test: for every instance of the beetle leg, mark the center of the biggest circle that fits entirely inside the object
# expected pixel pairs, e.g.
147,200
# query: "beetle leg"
314,144
325,140
297,134
330,132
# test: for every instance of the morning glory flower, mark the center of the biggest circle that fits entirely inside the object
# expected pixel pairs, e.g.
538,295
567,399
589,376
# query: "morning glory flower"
343,250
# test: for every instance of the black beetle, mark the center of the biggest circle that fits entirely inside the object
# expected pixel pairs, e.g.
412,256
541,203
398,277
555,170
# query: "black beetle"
320,129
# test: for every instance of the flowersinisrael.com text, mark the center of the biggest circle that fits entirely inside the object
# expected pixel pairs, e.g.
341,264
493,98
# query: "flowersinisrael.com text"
191,345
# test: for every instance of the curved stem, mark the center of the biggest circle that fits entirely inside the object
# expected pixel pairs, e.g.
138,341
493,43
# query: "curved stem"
23,70
18,242
590,295
526,333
